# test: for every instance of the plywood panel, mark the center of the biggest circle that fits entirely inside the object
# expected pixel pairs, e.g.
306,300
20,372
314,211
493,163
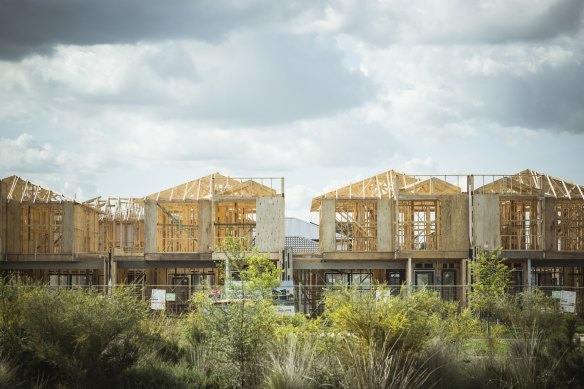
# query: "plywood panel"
86,230
327,225
384,225
150,221
13,227
270,224
486,228
205,226
68,226
455,236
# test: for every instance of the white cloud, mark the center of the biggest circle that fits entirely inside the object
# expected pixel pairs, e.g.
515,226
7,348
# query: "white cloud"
24,153
321,94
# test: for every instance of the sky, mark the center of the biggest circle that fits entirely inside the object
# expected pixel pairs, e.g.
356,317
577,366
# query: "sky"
129,97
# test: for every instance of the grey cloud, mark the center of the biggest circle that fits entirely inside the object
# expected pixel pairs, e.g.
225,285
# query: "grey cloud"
251,79
36,26
455,21
278,79
549,99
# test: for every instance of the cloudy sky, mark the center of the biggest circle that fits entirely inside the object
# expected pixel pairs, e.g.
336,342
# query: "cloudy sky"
128,97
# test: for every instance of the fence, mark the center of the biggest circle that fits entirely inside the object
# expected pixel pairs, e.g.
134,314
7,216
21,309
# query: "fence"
308,299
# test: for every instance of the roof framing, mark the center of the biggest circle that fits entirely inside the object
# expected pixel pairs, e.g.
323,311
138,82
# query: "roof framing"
375,187
118,208
217,185
529,181
383,185
22,190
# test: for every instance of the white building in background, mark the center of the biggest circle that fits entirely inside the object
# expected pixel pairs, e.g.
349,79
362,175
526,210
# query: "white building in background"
301,228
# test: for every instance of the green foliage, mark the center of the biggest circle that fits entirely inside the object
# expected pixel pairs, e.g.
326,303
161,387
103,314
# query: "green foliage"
257,272
75,338
490,279
8,374
292,364
240,332
78,339
383,365
409,320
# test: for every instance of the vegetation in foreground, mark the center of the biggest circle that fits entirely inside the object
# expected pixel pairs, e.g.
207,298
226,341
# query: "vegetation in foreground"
80,339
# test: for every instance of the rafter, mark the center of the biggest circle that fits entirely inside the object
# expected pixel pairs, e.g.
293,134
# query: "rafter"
25,191
215,184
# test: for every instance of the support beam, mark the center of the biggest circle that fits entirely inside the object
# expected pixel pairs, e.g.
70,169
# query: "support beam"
327,226
164,265
549,224
114,270
150,225
529,280
463,282
409,275
8,265
302,264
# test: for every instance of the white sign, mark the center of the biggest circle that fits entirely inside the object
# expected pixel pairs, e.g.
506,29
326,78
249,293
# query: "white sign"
158,299
568,301
287,310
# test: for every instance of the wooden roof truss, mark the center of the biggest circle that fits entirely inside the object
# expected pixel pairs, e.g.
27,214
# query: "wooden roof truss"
384,185
118,208
530,182
25,191
218,185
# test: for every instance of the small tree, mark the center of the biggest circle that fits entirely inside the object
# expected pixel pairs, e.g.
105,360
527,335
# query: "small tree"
256,270
490,279
242,329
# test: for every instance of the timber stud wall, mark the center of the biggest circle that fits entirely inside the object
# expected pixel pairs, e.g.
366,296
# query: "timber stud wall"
419,226
235,219
178,228
356,225
521,224
570,225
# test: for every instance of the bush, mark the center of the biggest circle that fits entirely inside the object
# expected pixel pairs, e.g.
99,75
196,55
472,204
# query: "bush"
73,338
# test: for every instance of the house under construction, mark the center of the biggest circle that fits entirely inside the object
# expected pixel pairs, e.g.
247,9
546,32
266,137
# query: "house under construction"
393,228
170,238
418,231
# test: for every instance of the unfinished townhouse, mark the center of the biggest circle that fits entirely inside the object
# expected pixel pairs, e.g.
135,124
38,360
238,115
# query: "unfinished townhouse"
170,238
48,236
419,231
